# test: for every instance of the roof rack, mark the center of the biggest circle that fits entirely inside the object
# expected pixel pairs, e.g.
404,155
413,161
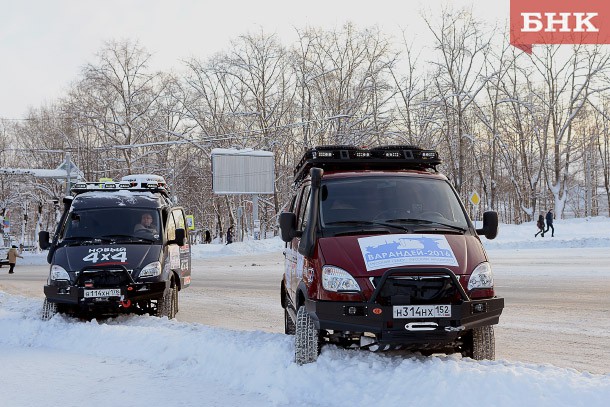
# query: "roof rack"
346,157
133,183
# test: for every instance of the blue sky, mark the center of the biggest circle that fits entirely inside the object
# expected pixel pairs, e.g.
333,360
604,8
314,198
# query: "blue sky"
44,43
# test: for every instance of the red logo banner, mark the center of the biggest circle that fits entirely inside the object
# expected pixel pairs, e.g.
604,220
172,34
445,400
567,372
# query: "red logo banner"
559,22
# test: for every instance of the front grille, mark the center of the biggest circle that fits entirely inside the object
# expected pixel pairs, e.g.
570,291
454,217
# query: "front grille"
104,278
408,288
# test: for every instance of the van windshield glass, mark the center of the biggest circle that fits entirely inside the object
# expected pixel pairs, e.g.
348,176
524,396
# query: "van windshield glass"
112,224
392,200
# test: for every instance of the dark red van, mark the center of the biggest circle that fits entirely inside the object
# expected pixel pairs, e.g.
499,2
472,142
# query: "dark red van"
380,254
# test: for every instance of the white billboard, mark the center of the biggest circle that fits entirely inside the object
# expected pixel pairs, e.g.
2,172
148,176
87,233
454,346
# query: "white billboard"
243,171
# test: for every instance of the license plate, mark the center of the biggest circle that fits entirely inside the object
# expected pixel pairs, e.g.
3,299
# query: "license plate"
422,311
110,292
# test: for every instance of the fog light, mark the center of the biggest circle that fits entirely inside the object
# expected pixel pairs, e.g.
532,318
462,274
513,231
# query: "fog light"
479,308
354,311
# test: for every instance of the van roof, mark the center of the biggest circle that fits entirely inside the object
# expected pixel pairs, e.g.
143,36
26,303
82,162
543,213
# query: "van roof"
378,173
120,198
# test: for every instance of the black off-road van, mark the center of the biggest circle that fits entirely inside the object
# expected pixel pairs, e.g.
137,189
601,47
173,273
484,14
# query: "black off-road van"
381,254
120,247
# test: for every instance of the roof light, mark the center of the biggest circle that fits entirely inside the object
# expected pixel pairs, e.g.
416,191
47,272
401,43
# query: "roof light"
345,157
393,154
139,182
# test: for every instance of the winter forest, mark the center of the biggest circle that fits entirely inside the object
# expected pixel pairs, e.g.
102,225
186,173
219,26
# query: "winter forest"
527,132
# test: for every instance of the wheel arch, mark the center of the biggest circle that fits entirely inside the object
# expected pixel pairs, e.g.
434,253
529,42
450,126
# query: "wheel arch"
301,295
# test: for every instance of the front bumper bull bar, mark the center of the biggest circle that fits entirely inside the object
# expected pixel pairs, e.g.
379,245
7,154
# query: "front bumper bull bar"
74,295
373,317
67,292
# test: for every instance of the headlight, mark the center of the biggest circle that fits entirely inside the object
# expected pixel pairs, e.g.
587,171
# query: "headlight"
59,273
482,277
336,279
151,270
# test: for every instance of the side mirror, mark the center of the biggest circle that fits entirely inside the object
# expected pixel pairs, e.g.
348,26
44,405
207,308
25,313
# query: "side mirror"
44,240
180,236
288,222
490,225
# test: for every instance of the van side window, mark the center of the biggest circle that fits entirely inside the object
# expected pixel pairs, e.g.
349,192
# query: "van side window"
293,204
303,209
171,227
180,221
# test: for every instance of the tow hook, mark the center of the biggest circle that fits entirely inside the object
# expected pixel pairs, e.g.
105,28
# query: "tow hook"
421,326
126,304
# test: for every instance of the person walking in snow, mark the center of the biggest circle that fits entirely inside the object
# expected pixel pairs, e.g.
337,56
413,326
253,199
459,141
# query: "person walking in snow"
230,235
540,225
549,222
12,258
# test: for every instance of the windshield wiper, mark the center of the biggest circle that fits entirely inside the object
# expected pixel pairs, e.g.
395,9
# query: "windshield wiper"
126,238
366,223
428,222
452,227
79,240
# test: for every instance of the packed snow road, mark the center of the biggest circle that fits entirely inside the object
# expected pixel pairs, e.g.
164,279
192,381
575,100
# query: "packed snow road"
556,312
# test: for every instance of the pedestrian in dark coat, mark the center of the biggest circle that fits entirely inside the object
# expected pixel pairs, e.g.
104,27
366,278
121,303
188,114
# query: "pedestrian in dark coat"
230,235
12,258
540,225
549,222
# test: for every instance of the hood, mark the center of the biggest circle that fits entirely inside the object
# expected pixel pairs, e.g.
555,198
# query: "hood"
130,256
370,256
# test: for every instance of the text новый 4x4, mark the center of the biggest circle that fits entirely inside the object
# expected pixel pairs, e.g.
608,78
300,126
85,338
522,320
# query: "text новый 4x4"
380,254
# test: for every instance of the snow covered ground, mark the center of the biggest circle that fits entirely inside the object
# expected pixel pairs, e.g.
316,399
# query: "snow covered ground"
146,361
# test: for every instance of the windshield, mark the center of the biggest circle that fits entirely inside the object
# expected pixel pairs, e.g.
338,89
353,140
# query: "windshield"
112,225
395,200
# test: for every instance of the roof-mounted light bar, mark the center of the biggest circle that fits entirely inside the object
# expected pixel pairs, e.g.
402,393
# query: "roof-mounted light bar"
147,182
345,158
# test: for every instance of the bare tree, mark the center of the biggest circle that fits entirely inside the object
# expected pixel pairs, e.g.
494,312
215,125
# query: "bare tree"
569,82
117,100
346,77
462,48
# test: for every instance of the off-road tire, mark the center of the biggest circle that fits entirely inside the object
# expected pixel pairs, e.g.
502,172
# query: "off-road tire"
306,339
175,300
166,303
48,310
482,344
